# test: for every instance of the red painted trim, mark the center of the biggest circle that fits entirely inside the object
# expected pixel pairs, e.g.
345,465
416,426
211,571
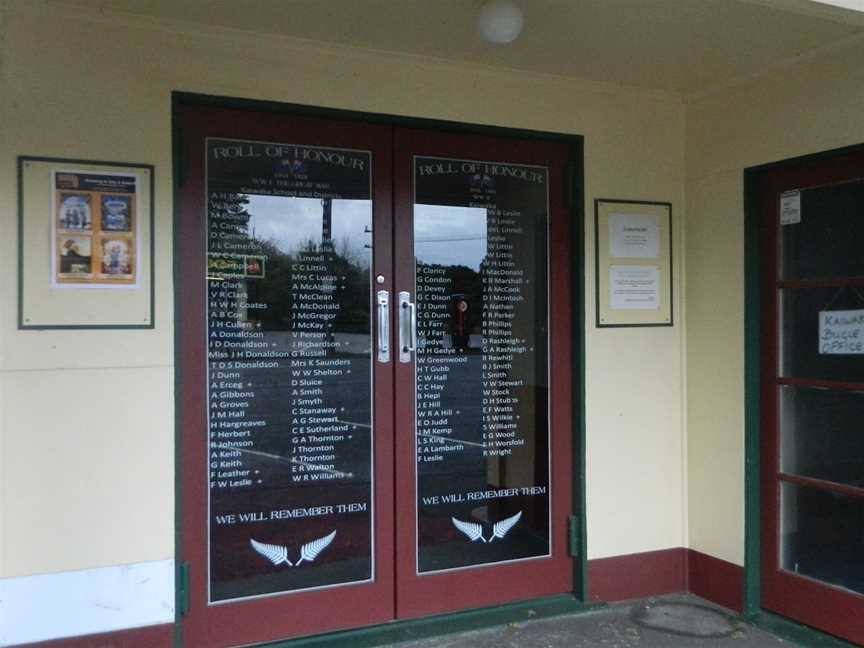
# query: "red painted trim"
637,575
291,614
834,487
838,385
448,591
665,572
158,636
715,580
820,283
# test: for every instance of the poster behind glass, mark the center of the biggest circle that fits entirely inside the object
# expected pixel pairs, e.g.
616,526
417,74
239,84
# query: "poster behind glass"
482,430
95,230
289,367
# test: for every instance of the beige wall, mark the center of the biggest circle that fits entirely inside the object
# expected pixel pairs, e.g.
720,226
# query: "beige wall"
79,491
815,105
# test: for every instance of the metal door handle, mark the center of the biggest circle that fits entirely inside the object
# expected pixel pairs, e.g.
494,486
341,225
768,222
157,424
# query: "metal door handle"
383,301
407,327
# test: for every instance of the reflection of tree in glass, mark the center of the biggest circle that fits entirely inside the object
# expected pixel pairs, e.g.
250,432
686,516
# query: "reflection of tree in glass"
229,211
468,285
359,257
351,274
354,298
290,221
274,289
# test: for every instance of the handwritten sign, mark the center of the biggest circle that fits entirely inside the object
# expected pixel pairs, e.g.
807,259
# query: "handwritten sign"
841,332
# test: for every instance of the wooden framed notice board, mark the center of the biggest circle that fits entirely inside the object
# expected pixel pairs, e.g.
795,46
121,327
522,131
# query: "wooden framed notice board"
85,244
633,272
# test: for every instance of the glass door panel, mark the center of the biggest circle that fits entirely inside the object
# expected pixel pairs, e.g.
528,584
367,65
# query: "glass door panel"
481,372
822,436
829,245
813,520
286,412
289,373
818,332
483,443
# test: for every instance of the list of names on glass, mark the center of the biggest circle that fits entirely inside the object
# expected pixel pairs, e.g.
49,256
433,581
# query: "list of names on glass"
289,367
482,429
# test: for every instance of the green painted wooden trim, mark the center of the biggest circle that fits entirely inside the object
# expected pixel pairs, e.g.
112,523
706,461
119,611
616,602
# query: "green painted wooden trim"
597,203
577,313
180,578
439,625
797,633
752,432
20,241
419,123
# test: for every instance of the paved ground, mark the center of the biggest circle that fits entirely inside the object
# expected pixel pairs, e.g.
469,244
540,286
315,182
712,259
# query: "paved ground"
679,621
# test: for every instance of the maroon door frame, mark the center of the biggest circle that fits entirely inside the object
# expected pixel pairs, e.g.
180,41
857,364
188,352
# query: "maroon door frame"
396,591
828,608
274,617
419,595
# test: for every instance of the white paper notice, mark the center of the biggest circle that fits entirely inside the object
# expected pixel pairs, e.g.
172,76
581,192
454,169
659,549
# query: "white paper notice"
841,332
634,287
634,236
790,207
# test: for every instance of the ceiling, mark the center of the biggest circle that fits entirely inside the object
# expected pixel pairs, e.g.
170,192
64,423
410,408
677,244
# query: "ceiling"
679,46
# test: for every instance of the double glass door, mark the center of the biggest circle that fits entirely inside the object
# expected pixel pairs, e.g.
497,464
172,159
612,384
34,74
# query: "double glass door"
813,394
375,393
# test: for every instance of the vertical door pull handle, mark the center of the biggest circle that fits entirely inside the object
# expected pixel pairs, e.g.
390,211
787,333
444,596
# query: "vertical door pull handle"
383,300
407,327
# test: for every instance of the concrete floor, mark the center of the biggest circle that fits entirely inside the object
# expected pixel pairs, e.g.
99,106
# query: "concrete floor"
678,621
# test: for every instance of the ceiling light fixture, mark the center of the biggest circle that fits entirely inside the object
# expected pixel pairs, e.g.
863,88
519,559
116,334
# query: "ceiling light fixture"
852,5
500,21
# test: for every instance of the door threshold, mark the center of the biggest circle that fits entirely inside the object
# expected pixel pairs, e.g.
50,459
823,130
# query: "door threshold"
796,632
443,624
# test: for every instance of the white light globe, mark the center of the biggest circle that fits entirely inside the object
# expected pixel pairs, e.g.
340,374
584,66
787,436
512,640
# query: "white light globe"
500,21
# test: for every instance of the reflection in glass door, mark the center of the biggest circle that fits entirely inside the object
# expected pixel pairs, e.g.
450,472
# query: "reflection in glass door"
481,373
482,419
289,370
813,391
286,403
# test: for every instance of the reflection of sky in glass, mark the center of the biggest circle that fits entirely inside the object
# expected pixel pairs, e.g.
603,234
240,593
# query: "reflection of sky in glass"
450,235
290,223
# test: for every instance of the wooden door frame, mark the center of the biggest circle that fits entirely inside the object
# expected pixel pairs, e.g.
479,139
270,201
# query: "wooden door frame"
433,592
754,180
311,611
576,207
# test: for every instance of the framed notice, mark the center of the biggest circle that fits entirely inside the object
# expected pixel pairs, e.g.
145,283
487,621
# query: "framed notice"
85,244
633,256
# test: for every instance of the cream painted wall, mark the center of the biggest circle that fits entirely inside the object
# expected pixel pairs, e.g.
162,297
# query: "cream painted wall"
77,490
815,105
